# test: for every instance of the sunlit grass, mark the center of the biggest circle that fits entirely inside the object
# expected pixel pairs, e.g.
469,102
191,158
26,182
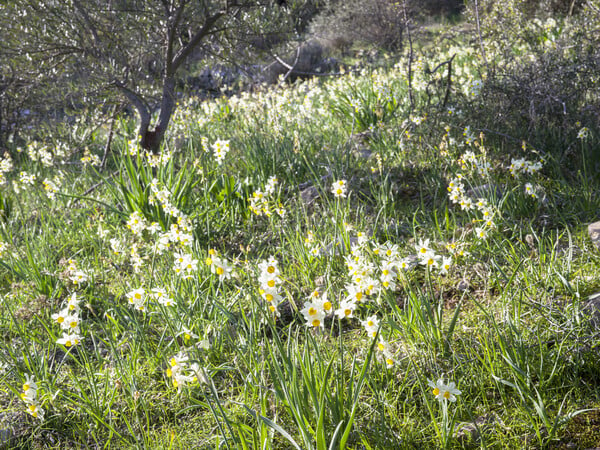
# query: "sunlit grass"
313,266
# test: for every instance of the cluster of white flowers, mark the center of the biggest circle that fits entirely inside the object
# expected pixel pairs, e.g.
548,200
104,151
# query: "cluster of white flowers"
583,133
27,178
522,166
260,201
117,246
3,247
68,319
469,136
159,160
182,373
163,197
39,152
29,396
371,325
137,223
51,186
140,298
475,88
316,308
90,158
137,298
428,258
76,275
179,234
133,147
443,391
220,149
6,165
339,188
311,244
456,194
531,190
185,265
384,347
471,162
137,261
269,281
219,265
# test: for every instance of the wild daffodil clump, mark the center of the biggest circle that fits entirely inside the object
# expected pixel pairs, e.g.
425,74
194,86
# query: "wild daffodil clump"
295,267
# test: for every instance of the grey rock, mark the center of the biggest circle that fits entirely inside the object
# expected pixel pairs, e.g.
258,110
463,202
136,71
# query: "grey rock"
309,195
470,431
594,232
463,285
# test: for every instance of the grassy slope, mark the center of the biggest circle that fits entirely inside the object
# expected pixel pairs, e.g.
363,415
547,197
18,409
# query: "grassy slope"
506,323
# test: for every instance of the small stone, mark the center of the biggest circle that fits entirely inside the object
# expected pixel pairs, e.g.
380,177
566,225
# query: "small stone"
462,285
362,153
594,232
309,195
469,432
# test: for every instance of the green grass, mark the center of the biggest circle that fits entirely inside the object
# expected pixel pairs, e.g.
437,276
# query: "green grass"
506,321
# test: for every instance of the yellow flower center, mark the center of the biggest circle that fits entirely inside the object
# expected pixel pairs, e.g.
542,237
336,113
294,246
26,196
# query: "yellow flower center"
436,391
347,311
312,311
271,269
220,271
269,297
271,283
316,323
327,306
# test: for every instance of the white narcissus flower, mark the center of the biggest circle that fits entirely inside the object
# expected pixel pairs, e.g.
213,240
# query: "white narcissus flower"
339,188
371,325
443,391
346,309
313,314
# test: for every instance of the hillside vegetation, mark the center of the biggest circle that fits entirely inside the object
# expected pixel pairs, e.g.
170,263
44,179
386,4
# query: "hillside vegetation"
394,256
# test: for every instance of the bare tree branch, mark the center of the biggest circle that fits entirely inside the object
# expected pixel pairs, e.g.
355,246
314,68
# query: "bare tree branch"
201,34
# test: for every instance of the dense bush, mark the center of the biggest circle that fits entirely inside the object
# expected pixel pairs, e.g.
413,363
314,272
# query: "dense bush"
541,74
377,22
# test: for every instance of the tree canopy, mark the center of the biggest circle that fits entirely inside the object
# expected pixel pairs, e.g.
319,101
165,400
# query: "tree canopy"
73,52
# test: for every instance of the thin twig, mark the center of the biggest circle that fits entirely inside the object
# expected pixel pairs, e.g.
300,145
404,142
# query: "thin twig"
97,185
